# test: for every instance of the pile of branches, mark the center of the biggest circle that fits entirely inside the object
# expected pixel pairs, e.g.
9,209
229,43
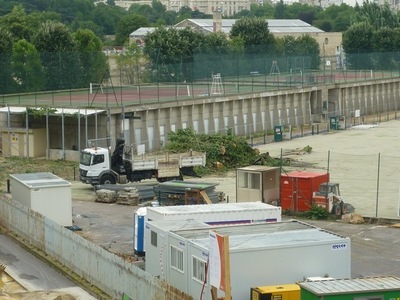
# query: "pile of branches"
224,151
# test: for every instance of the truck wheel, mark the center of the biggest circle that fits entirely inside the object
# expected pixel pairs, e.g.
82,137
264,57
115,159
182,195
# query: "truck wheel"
107,179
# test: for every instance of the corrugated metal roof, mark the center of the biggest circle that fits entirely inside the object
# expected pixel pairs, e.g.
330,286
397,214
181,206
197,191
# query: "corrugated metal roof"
58,111
40,180
274,25
212,208
262,235
142,31
354,285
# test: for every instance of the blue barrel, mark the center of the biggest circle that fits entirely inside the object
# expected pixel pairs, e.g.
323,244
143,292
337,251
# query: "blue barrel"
139,222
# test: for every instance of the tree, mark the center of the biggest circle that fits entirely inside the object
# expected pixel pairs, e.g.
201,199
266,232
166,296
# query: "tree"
144,10
133,65
184,12
377,15
127,25
17,23
6,7
107,17
27,67
58,55
93,62
304,12
257,10
255,34
300,53
6,45
171,52
358,39
307,47
216,43
36,18
338,17
262,11
385,44
68,9
280,9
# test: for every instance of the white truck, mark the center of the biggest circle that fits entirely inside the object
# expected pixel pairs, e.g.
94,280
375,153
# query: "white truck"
97,166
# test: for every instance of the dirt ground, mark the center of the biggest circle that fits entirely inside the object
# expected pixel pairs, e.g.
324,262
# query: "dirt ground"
109,224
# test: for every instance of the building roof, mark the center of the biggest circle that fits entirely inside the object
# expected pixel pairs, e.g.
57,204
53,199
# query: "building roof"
168,225
53,111
346,286
141,32
40,180
275,26
267,235
212,208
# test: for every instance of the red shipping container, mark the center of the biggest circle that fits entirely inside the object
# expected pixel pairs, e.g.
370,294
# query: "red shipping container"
298,187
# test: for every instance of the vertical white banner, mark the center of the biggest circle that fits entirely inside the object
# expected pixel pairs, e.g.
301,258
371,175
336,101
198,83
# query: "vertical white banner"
216,263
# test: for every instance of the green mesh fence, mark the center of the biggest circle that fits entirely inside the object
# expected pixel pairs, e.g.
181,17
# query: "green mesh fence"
96,80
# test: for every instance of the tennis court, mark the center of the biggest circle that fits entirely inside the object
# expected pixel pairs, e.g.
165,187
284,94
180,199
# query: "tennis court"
100,96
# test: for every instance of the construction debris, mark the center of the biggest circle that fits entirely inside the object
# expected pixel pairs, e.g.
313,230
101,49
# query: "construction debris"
106,196
353,218
124,194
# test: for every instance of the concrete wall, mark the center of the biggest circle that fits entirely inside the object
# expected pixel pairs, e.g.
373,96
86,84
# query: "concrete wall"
259,112
245,115
100,268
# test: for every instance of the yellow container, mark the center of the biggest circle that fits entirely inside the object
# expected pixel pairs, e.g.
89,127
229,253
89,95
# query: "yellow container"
276,292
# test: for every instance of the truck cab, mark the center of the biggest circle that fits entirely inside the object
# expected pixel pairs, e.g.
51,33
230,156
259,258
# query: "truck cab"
93,163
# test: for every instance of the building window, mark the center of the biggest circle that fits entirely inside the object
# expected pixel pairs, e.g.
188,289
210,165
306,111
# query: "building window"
153,238
177,259
199,269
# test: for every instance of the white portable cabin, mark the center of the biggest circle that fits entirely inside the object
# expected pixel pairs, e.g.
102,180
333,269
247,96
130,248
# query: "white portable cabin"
44,193
219,213
260,254
156,242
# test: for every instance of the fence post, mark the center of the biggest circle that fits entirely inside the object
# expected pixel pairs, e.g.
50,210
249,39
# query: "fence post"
377,186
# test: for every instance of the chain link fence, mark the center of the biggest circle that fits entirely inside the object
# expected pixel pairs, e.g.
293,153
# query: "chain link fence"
93,80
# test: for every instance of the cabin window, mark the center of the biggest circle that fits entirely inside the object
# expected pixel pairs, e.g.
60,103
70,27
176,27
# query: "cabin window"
249,180
199,269
153,238
176,258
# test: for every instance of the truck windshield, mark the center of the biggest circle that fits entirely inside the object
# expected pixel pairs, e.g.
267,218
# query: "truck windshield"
85,158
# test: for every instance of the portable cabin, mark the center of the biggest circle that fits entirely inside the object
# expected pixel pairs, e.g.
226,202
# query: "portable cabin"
220,213
44,193
260,254
156,242
258,183
368,288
